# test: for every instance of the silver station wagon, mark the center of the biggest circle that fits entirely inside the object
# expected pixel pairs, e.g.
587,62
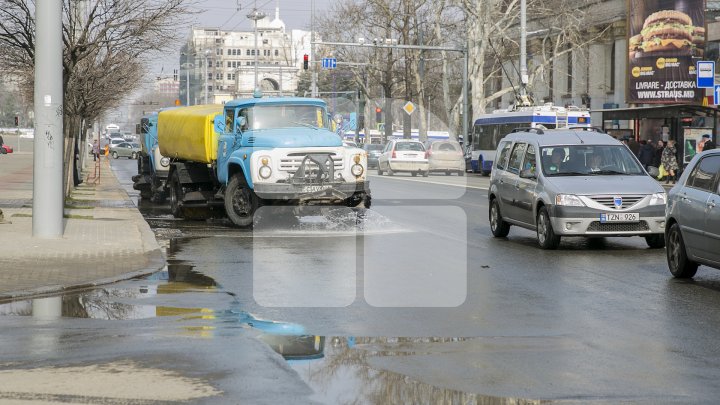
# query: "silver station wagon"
573,183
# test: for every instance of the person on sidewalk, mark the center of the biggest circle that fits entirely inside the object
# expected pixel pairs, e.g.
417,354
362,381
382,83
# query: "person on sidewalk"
669,161
96,150
646,153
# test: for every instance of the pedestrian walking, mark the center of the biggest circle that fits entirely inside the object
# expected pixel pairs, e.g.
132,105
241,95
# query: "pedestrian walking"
657,158
646,153
669,161
96,150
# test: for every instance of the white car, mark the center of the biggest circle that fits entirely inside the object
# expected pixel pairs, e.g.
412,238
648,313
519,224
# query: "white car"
404,155
446,157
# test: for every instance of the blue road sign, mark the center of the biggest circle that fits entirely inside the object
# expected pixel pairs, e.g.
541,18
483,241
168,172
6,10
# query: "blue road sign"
705,74
329,63
716,96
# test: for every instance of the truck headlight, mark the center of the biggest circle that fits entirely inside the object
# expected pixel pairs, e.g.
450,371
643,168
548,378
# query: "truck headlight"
357,170
568,200
165,161
658,199
265,171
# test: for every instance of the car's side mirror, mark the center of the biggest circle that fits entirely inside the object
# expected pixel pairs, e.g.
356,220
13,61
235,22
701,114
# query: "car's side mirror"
528,174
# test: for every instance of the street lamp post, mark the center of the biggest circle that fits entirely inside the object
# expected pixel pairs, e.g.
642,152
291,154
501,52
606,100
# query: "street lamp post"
207,53
255,16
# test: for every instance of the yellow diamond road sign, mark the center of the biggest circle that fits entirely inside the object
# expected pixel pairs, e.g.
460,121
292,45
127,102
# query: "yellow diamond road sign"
409,107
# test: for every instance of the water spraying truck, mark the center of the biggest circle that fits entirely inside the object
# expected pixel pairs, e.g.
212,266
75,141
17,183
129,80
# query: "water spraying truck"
254,152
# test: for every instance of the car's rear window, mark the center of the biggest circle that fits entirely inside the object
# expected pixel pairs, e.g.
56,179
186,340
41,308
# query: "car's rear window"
411,146
374,147
445,146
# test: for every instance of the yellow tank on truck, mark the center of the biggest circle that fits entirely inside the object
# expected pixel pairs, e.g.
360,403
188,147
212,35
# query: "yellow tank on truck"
188,133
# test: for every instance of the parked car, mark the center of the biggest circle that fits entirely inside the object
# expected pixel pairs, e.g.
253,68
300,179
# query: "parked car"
403,155
5,149
374,150
446,157
573,183
115,141
692,234
125,149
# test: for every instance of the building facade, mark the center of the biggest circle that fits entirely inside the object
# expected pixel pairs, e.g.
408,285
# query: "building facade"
594,76
217,66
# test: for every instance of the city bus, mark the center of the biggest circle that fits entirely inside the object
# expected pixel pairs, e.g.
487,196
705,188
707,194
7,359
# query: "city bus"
488,129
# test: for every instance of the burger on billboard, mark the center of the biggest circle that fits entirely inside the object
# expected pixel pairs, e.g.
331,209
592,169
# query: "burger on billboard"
662,41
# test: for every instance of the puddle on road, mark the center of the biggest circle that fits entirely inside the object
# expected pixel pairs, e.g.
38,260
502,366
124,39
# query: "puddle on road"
338,369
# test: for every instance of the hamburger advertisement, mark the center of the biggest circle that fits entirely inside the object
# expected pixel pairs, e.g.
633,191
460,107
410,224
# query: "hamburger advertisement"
665,39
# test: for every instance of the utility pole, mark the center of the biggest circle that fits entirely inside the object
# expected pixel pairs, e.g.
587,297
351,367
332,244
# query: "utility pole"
255,16
313,84
47,221
523,48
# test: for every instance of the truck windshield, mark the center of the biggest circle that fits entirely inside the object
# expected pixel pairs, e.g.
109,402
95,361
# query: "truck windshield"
589,160
286,116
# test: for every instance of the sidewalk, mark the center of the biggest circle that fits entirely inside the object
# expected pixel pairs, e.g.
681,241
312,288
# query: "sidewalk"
105,238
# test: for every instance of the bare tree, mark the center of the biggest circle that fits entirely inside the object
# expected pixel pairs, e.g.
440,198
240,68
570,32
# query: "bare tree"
493,40
107,45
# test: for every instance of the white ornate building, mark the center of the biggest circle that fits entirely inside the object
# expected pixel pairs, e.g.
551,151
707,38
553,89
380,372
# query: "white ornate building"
217,66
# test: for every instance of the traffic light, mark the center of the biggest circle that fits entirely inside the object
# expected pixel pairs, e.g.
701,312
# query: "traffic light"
378,114
306,62
17,121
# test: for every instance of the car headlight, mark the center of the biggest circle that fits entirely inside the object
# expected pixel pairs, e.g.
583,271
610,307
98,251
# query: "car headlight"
165,161
658,199
265,171
357,170
568,200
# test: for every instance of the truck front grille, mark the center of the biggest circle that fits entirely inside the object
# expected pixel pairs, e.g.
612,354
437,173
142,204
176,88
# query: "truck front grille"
292,163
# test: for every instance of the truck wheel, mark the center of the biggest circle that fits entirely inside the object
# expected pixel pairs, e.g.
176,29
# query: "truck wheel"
359,200
176,195
240,202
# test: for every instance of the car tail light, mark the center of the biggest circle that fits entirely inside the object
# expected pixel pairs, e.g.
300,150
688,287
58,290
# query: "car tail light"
394,155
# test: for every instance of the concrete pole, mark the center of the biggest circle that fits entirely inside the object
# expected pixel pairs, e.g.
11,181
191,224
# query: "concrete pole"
313,84
48,194
466,107
187,83
205,79
523,48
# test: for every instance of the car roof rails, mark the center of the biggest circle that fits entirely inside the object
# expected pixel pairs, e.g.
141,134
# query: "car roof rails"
538,131
592,129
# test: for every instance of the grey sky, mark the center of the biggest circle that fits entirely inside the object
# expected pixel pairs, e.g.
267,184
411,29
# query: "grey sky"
225,14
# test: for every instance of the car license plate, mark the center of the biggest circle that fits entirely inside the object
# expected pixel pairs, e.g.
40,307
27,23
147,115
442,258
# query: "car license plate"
315,189
620,217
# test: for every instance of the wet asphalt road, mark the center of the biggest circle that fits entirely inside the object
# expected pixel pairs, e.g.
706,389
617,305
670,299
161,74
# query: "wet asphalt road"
412,301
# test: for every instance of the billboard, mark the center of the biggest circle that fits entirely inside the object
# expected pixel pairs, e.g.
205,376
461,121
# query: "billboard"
665,39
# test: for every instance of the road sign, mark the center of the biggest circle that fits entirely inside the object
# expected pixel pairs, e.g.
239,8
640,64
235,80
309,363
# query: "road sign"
329,63
705,74
716,98
409,107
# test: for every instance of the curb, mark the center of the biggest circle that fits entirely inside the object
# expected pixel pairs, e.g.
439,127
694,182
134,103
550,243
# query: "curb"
155,258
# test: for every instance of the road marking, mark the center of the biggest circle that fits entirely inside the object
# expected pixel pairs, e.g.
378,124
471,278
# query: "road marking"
431,182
